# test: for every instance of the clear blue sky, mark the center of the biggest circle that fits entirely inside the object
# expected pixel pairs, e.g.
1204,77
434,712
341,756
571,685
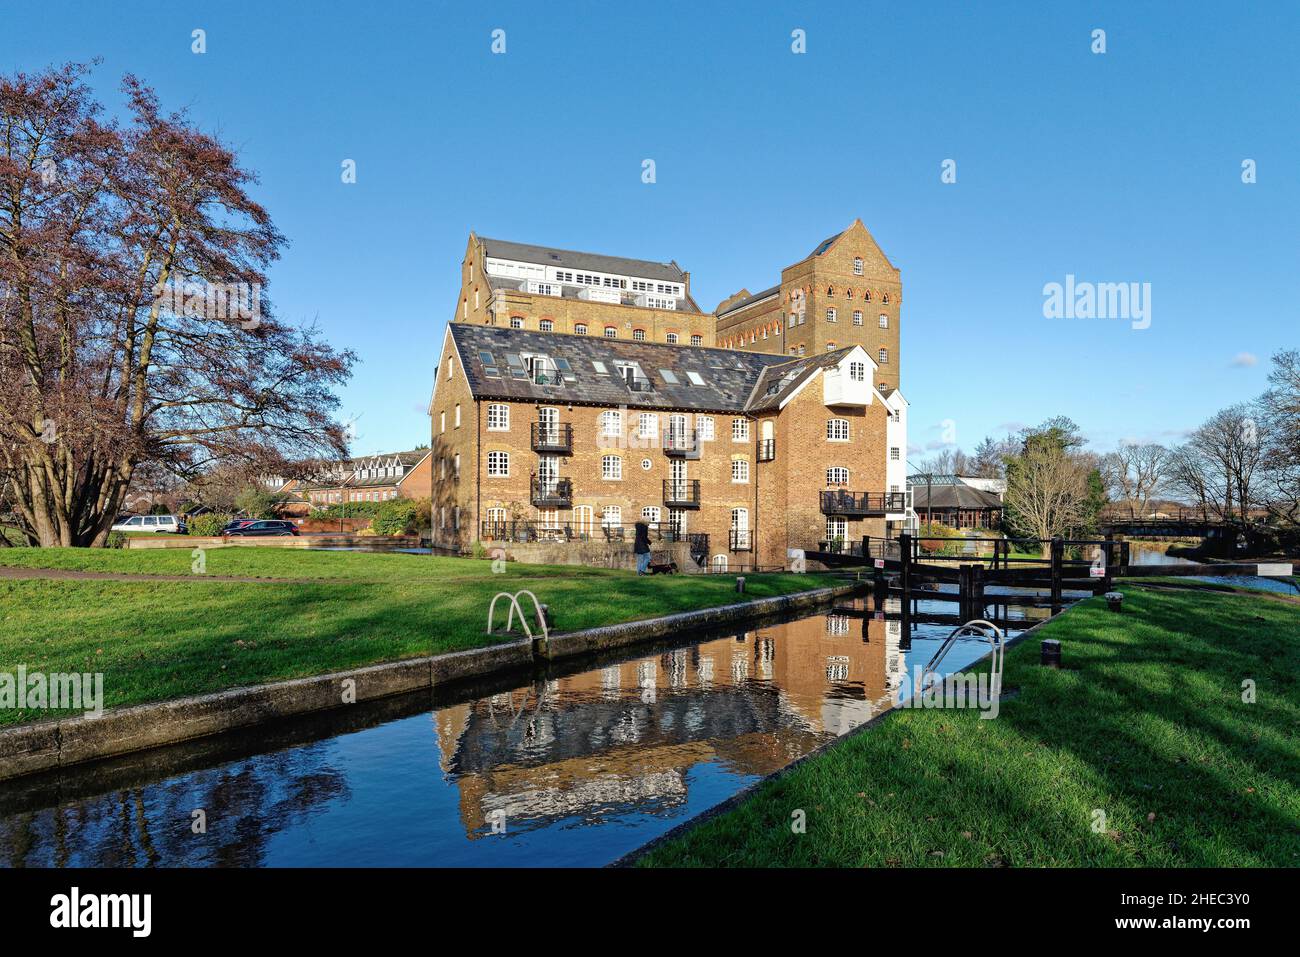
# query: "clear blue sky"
1121,167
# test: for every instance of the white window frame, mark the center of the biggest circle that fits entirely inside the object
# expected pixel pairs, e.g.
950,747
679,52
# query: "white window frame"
611,424
739,471
834,428
501,413
837,475
883,321
611,468
497,470
704,428
740,430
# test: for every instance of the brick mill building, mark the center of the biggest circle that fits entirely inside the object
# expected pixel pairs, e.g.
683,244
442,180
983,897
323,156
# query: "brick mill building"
577,394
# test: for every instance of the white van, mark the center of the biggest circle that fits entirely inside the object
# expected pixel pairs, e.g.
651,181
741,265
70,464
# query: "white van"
169,524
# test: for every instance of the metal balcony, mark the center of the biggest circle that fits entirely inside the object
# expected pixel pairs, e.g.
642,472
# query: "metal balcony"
551,492
682,443
553,438
740,540
862,504
682,493
766,450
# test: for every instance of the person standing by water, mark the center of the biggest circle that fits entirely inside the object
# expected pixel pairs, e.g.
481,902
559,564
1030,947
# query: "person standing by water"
641,548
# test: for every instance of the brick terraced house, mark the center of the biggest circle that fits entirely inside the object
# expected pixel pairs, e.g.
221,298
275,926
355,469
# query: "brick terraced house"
621,410
371,478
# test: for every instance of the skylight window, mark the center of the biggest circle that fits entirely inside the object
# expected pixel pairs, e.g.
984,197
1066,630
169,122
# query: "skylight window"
695,377
668,376
600,367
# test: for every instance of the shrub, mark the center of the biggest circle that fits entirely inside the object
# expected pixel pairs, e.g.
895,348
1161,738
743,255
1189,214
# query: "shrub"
208,524
940,539
115,540
395,517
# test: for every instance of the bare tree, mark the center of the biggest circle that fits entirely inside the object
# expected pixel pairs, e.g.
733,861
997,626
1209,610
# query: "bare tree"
1219,464
1133,473
1279,409
119,248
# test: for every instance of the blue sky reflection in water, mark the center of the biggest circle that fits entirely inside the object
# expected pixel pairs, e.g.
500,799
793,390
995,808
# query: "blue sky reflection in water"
578,769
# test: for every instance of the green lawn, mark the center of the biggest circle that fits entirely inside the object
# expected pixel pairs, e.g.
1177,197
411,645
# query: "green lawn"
155,640
1146,724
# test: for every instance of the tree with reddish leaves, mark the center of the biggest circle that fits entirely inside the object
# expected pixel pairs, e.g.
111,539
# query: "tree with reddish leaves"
135,328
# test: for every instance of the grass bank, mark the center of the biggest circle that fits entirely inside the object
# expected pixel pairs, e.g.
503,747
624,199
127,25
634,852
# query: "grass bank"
1146,725
156,640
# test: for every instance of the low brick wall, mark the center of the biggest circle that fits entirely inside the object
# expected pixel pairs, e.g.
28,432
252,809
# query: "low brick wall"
593,554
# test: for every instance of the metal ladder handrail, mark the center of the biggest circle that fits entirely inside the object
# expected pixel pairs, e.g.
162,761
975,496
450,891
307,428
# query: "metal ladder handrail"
977,626
515,607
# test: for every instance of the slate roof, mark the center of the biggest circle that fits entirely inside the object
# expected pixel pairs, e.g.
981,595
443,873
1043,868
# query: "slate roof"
571,259
826,244
777,382
749,300
951,496
350,468
729,376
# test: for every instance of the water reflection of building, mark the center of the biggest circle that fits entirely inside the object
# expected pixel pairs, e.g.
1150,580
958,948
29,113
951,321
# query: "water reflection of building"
625,737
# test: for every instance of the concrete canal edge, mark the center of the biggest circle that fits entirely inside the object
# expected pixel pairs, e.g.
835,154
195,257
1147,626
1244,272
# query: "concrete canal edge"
740,797
63,742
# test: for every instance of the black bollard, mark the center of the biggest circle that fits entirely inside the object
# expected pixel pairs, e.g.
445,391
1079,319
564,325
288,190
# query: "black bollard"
740,584
1051,655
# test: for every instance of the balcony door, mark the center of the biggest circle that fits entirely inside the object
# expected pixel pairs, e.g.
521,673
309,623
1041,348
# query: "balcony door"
548,473
584,521
740,526
548,426
676,432
677,475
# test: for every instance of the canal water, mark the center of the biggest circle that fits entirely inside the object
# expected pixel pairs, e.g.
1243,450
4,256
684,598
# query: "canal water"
572,768
1155,555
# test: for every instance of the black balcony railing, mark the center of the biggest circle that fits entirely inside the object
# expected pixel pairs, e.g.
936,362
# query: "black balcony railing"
553,437
638,383
842,502
766,450
682,493
740,540
537,530
682,442
551,492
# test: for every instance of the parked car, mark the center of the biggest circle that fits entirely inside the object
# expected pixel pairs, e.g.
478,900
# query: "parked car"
236,523
263,527
168,524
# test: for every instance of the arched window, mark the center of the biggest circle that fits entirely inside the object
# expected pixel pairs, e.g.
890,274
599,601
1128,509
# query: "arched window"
866,295
671,338
516,322
611,332
637,334
719,563
546,325
885,298
837,430
580,329
837,475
